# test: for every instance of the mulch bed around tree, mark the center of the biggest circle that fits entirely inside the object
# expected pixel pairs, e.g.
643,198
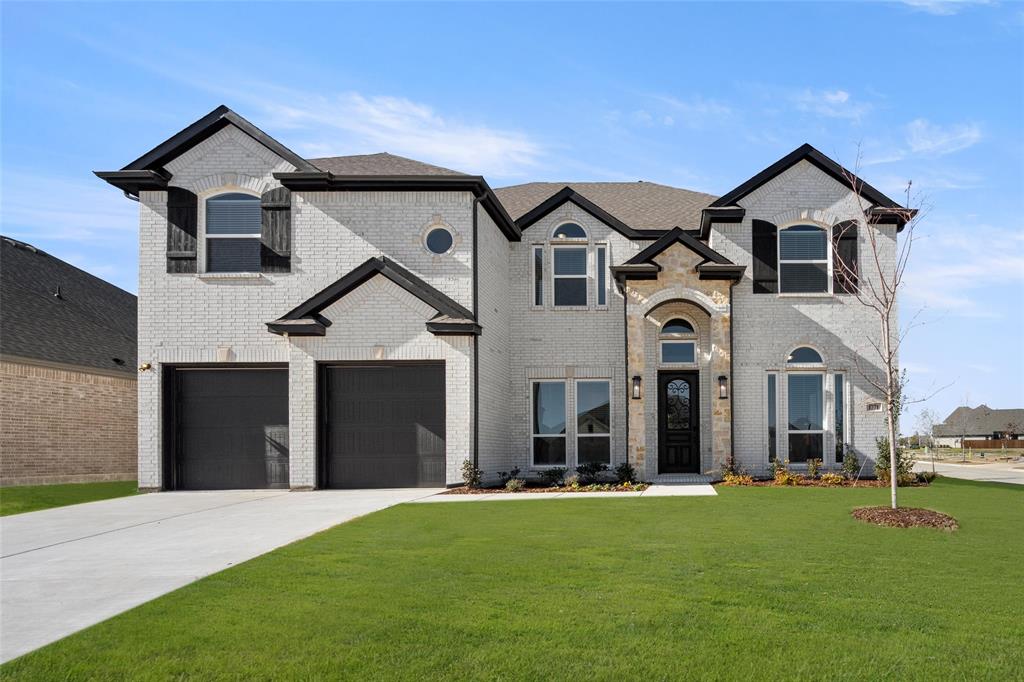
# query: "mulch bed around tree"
605,488
905,517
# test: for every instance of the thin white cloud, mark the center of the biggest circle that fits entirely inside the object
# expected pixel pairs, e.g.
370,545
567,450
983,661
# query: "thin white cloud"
836,103
943,7
929,139
693,112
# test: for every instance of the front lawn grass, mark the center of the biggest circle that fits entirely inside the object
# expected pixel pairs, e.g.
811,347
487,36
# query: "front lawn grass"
757,583
26,498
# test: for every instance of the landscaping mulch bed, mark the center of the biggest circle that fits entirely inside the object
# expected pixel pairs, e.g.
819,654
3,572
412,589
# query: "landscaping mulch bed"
815,483
607,488
905,517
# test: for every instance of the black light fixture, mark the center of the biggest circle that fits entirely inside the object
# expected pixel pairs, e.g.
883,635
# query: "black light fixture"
636,387
723,387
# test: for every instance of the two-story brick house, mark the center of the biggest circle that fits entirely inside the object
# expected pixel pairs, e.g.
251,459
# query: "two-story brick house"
373,321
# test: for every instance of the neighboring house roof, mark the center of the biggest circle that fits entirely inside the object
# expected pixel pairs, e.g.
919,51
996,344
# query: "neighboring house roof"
306,319
640,205
979,421
378,164
52,311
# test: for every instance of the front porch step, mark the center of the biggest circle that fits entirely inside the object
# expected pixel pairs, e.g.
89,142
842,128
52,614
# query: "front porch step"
682,479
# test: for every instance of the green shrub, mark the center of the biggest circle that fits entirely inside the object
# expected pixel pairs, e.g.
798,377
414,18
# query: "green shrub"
553,477
851,465
506,476
590,472
813,465
625,473
904,463
471,474
514,485
572,481
926,476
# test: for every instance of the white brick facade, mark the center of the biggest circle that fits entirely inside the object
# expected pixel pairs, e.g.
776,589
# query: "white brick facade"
207,319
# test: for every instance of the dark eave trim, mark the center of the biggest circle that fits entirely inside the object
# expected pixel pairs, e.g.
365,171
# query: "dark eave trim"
719,214
898,216
635,271
809,153
205,127
567,194
325,181
135,181
720,271
678,235
303,316
467,328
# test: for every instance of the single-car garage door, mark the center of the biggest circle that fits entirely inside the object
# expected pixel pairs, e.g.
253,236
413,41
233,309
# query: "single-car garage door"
228,428
383,426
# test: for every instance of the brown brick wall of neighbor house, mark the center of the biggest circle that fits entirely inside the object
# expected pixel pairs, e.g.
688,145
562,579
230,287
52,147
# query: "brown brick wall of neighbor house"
61,425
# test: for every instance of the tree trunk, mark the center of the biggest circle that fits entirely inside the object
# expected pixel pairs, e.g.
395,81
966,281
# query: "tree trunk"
890,404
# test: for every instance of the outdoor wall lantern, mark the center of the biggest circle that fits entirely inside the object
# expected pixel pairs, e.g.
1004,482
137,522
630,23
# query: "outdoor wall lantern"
723,387
636,387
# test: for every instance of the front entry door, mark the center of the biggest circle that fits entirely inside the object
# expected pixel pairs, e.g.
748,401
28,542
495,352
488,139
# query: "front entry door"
678,423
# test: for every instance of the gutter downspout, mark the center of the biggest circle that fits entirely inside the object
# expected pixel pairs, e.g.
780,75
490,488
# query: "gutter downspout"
625,356
476,338
732,379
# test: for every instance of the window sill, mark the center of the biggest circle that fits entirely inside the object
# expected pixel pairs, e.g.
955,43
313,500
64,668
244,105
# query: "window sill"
793,295
229,275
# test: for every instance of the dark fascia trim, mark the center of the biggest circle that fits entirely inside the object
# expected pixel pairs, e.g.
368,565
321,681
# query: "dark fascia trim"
720,271
467,328
635,271
324,181
567,194
135,181
719,214
898,216
214,121
308,313
679,235
804,151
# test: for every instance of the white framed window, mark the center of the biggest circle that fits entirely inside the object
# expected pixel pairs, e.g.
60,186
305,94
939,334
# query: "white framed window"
840,421
233,227
677,342
569,231
772,414
547,441
805,263
602,275
593,422
805,405
538,275
569,275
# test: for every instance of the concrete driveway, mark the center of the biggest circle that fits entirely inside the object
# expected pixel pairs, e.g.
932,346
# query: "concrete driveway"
999,472
64,569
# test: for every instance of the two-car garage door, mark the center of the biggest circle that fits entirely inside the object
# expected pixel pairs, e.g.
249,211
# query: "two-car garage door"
381,426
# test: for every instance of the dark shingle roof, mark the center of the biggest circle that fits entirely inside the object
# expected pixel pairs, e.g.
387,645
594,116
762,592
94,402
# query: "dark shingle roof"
641,205
89,324
378,164
979,421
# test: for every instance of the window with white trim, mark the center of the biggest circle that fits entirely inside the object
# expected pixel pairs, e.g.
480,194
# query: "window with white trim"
602,275
804,262
569,275
548,423
773,416
569,230
593,422
805,406
538,275
233,226
839,391
678,342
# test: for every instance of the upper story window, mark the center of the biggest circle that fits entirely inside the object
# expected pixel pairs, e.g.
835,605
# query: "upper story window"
804,260
570,275
569,231
439,241
804,355
233,233
678,342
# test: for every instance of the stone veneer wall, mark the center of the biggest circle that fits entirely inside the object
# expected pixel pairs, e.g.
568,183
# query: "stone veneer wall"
64,425
678,282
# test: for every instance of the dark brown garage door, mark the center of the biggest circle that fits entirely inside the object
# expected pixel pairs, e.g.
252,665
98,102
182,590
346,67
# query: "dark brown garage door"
383,426
229,428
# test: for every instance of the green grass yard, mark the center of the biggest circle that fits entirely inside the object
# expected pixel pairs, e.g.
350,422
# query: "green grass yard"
21,499
757,583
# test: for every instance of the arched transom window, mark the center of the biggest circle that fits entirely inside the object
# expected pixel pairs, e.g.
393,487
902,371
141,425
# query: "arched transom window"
806,405
678,341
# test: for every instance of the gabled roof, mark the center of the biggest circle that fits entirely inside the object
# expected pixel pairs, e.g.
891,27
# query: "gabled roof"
714,265
379,164
54,312
648,208
306,319
979,421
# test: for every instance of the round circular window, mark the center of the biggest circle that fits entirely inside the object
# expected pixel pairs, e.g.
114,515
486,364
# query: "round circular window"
439,240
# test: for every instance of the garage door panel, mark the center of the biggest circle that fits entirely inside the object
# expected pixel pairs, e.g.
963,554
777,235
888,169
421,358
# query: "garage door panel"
385,426
231,428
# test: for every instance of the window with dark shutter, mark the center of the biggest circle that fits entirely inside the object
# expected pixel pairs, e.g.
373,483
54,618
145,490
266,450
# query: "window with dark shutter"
233,233
276,231
182,218
845,268
765,273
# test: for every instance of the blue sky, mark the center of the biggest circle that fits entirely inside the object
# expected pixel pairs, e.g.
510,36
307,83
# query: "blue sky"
695,95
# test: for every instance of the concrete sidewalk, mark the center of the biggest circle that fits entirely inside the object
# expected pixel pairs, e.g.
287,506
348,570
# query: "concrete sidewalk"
67,568
996,472
652,491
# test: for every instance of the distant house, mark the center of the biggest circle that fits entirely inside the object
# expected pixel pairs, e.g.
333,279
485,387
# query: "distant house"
975,423
67,372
